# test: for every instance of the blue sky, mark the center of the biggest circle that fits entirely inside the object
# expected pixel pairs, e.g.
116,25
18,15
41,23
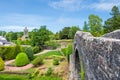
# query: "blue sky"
55,14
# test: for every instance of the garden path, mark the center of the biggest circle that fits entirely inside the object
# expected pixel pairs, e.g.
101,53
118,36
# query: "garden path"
45,51
11,68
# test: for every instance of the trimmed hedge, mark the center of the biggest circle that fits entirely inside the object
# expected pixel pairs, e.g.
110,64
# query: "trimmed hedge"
9,52
29,52
37,61
1,64
21,59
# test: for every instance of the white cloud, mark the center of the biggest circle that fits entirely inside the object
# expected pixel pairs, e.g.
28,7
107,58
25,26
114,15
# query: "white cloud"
70,5
76,5
105,5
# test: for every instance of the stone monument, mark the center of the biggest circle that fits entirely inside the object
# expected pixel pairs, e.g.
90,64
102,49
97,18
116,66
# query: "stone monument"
25,36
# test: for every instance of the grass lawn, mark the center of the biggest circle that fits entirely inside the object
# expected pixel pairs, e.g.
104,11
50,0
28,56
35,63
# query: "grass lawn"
61,69
51,53
13,77
25,77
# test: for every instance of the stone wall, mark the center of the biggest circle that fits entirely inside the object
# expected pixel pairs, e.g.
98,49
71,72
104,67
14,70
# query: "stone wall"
100,57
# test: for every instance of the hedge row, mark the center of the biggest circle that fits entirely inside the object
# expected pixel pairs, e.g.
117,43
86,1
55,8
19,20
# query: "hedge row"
9,52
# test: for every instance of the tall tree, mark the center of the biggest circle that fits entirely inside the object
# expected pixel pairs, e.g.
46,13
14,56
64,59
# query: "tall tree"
39,37
72,31
85,27
95,23
64,34
113,23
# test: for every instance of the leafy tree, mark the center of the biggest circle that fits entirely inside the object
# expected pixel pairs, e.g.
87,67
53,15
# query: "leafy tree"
72,31
33,37
95,23
113,23
64,34
40,36
14,35
19,34
2,33
9,36
57,36
85,27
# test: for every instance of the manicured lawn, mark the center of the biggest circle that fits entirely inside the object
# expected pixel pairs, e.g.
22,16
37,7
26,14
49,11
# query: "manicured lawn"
25,77
13,77
51,53
48,78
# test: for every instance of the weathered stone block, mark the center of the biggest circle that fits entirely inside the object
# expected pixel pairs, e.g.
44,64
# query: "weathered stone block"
100,56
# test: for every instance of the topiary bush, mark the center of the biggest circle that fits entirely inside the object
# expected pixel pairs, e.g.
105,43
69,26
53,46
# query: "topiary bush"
37,61
29,53
1,64
55,62
21,59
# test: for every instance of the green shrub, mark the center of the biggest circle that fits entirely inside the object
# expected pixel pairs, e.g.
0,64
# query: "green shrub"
36,49
18,49
21,59
29,52
64,51
49,71
1,64
55,62
25,42
67,51
37,61
9,52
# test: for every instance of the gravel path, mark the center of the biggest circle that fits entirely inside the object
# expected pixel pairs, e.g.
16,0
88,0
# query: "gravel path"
10,68
45,51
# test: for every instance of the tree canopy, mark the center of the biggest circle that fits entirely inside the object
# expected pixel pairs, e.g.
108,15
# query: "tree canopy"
40,36
113,23
85,27
95,24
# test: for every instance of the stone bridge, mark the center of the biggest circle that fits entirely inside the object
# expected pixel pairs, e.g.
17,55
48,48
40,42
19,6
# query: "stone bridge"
95,58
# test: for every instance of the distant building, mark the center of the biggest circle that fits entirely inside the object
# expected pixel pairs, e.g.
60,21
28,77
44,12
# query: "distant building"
4,42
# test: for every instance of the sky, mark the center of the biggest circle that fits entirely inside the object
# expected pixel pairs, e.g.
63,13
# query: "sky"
15,15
